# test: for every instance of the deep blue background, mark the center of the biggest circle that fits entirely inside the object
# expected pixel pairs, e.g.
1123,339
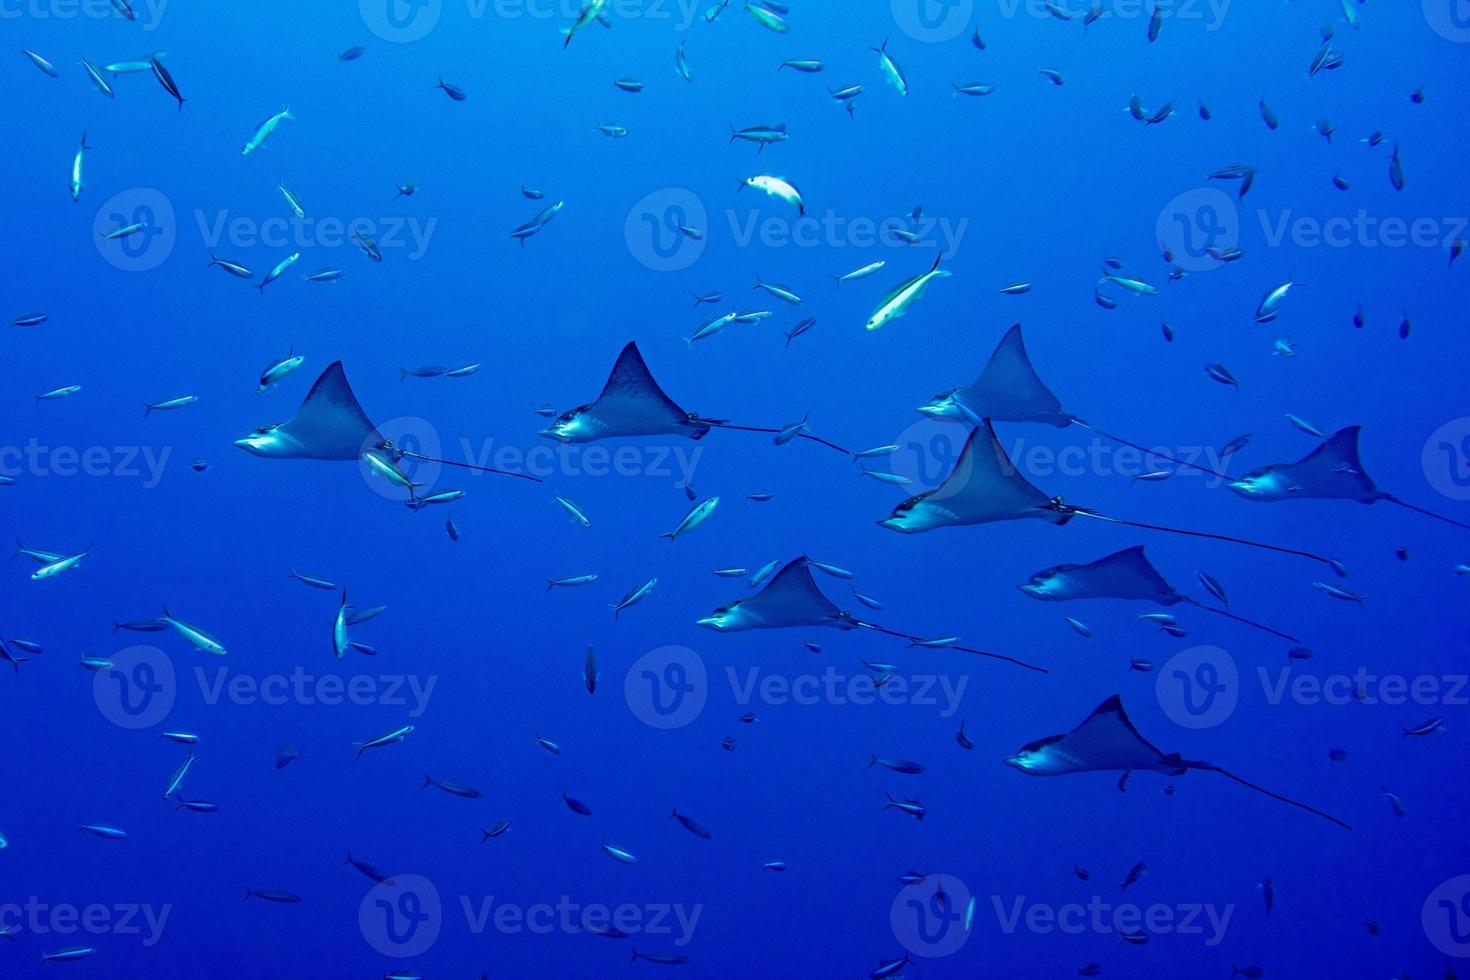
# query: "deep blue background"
1049,180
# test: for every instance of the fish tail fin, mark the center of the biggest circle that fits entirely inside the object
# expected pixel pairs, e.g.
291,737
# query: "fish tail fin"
550,585
116,626
634,957
84,145
428,780
872,760
248,893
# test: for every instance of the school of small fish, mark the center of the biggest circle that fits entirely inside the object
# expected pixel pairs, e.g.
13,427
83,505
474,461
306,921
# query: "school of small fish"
983,486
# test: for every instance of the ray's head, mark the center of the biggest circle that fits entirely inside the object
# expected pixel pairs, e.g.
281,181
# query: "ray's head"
1046,584
1034,758
913,516
571,426
728,618
1266,483
268,441
944,407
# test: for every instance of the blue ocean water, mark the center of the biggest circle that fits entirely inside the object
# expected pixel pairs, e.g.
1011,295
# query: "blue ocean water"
1035,182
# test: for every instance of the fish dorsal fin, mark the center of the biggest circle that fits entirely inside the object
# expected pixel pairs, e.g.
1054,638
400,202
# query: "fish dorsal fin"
1107,740
1333,469
985,486
1009,389
632,403
791,598
1126,574
330,424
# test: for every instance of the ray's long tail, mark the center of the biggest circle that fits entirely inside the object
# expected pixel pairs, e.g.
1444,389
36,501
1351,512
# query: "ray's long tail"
1150,452
722,424
1279,549
468,466
979,653
1241,619
1209,767
1420,510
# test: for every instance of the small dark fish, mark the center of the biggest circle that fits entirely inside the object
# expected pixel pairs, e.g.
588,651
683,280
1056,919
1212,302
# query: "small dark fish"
369,871
1268,894
166,80
1269,117
454,92
663,959
1134,873
1168,333
576,805
352,54
455,789
1336,755
963,739
1220,373
494,831
689,824
273,895
141,626
903,766
1082,873
287,754
1213,587
1249,972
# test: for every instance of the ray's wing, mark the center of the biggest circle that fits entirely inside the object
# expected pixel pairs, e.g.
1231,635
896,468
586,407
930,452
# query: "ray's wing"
1126,574
1009,389
1107,741
632,403
330,424
791,598
985,486
1333,470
